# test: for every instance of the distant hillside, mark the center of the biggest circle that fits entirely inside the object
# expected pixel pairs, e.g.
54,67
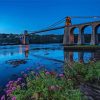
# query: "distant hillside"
9,39
15,38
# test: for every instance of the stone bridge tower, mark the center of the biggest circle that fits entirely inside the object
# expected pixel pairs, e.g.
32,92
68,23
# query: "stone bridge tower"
25,38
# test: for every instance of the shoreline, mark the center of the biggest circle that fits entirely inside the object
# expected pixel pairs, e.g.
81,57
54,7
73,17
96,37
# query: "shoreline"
83,47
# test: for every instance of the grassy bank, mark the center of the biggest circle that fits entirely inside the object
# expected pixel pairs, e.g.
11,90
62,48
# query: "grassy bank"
46,85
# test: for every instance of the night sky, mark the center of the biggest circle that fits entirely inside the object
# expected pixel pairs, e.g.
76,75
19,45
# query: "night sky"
19,15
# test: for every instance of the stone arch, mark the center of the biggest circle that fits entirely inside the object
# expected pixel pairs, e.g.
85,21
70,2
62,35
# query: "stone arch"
74,34
87,31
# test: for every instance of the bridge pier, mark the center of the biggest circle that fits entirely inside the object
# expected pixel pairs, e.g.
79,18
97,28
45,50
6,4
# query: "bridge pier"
93,36
80,37
25,38
66,36
71,37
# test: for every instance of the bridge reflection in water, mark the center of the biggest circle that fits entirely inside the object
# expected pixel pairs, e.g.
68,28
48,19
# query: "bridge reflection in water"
69,56
25,50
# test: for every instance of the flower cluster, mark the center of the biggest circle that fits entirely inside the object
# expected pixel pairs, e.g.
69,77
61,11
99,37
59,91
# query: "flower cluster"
11,87
61,75
20,83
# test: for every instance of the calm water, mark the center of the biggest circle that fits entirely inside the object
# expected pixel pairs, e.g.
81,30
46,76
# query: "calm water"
52,56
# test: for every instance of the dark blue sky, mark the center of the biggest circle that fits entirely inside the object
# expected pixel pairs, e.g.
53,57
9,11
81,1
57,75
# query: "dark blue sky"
18,15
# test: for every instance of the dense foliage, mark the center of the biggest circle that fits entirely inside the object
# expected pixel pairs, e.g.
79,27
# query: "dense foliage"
33,38
45,85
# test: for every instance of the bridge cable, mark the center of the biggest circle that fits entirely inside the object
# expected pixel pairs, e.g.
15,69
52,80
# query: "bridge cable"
53,25
57,23
85,16
60,21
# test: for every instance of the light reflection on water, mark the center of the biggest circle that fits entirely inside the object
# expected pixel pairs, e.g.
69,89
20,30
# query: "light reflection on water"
52,51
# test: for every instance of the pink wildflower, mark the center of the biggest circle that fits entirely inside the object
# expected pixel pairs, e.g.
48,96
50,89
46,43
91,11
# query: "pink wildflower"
61,75
19,79
13,98
3,97
25,75
47,73
10,82
13,88
8,92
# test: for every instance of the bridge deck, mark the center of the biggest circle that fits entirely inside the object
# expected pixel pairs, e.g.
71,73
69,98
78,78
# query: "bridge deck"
60,27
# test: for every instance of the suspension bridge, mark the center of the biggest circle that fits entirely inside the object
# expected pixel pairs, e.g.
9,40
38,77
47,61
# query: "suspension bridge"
68,38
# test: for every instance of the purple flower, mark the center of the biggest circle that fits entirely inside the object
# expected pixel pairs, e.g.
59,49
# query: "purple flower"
19,79
50,88
10,82
8,92
61,75
10,86
47,73
54,88
13,88
13,98
25,75
16,82
3,97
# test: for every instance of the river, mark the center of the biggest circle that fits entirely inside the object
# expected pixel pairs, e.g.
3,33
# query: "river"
50,56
